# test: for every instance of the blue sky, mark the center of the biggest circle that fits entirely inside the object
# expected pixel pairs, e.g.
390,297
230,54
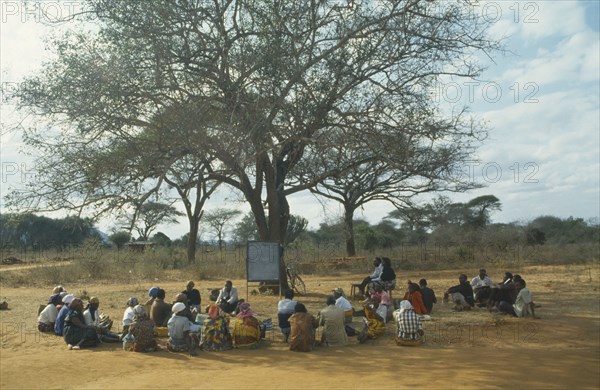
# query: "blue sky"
540,101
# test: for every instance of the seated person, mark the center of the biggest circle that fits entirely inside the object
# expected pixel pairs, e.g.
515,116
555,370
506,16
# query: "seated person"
388,276
414,296
462,294
246,328
374,323
128,315
180,338
152,293
62,314
187,312
142,330
193,296
160,311
481,287
384,301
58,293
523,305
428,295
77,334
303,325
344,304
332,320
374,277
47,317
409,325
215,335
228,298
505,291
91,316
285,308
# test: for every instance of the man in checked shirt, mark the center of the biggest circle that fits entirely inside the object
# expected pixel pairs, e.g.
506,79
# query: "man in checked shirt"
408,322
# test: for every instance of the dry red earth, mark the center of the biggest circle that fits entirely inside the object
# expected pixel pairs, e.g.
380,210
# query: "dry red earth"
468,350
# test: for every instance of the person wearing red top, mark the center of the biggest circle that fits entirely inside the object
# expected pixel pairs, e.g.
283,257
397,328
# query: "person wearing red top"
413,295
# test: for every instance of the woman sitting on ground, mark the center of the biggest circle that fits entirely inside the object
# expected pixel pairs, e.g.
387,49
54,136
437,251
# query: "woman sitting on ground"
413,295
246,328
215,334
128,314
76,333
180,339
410,327
91,315
302,329
142,330
47,317
375,326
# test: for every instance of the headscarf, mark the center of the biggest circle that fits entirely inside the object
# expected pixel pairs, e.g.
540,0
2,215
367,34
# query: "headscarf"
67,299
58,289
213,311
178,307
340,292
76,304
404,306
245,311
181,297
153,292
55,299
139,312
132,302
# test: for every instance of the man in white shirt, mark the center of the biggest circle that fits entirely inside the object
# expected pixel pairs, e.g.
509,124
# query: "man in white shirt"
228,298
344,304
523,305
374,277
285,308
481,287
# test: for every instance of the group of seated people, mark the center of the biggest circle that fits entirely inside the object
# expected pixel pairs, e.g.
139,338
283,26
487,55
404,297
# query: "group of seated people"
511,296
230,322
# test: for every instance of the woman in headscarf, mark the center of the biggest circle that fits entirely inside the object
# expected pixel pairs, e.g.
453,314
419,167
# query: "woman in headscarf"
76,333
180,339
48,315
413,295
152,293
302,333
142,330
91,315
215,334
128,314
246,328
374,326
409,324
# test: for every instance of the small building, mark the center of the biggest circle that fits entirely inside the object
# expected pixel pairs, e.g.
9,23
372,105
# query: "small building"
139,246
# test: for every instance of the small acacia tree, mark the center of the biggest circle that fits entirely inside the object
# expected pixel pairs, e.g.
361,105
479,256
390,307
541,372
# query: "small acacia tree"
218,219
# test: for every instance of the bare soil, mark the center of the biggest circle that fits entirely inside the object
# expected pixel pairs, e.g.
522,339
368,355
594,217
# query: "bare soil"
474,349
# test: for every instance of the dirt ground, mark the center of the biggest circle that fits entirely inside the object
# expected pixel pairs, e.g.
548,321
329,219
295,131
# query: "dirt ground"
471,349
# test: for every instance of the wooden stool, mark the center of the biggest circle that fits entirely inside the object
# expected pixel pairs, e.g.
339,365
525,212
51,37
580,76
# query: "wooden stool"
354,289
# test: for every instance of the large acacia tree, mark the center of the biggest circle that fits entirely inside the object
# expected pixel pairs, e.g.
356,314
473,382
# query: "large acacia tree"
261,84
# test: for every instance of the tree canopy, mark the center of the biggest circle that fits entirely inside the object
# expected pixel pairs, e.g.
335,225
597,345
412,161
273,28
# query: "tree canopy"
260,89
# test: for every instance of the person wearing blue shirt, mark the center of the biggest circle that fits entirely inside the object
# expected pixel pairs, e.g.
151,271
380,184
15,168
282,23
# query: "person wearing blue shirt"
59,325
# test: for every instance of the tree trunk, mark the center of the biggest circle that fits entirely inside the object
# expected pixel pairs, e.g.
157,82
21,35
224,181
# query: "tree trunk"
349,230
192,240
272,227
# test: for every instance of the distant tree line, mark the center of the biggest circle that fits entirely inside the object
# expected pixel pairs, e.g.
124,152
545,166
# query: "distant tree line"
33,232
438,223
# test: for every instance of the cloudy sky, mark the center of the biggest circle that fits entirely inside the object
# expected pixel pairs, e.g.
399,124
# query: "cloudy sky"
540,102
